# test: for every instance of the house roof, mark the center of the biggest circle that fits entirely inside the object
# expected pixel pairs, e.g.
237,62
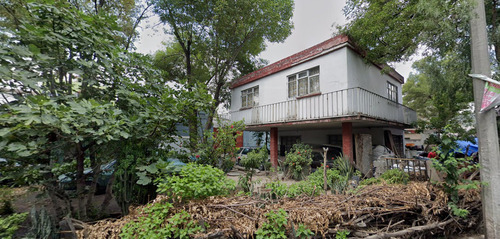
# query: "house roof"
315,51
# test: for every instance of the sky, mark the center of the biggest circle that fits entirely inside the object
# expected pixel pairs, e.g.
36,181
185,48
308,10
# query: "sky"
314,22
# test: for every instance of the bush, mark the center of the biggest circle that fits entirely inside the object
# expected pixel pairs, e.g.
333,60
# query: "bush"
275,227
255,159
303,188
298,160
196,181
155,223
395,176
10,224
370,181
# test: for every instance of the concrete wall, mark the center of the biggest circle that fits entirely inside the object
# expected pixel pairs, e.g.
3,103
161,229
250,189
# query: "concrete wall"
274,88
340,69
368,76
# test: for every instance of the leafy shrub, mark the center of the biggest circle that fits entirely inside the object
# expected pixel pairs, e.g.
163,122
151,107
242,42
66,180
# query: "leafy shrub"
395,176
333,177
278,189
275,227
10,224
155,223
342,234
255,159
303,188
370,181
453,168
298,160
196,181
302,232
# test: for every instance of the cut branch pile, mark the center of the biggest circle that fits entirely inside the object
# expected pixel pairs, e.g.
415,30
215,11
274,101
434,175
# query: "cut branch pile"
377,211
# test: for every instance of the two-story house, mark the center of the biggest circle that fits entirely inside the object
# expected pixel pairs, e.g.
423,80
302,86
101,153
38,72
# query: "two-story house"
326,94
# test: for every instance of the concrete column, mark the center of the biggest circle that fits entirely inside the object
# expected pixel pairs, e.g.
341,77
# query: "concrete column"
347,141
486,125
274,147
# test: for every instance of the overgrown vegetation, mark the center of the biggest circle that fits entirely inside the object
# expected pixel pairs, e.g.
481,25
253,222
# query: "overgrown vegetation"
453,169
254,160
196,181
275,227
298,161
156,221
10,224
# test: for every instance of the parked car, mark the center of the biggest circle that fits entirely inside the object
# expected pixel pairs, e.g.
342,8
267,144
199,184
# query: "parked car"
317,155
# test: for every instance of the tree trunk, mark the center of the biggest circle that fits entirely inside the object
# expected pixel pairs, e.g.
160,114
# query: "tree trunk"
95,176
80,182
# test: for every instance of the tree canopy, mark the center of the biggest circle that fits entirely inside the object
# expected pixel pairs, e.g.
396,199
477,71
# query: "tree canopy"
220,38
394,31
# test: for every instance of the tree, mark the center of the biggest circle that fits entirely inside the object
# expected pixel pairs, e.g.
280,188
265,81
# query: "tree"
393,31
439,93
215,35
76,95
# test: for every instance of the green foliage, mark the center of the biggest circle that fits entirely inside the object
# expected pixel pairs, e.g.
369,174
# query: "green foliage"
298,160
275,227
278,189
393,30
370,181
155,222
302,232
255,159
439,93
395,176
453,168
303,188
76,93
220,146
10,224
211,47
342,234
196,181
333,178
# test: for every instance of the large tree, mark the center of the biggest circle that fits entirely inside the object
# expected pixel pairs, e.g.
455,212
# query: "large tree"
394,31
216,36
73,92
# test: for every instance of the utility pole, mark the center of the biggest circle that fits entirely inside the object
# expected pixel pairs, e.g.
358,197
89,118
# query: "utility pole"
486,126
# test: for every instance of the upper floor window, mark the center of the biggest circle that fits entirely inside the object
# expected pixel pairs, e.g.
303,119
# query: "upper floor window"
250,97
303,83
392,92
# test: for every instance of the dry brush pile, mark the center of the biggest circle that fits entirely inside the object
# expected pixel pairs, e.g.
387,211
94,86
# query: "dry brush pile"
415,210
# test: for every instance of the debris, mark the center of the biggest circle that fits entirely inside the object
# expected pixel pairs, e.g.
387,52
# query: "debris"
375,211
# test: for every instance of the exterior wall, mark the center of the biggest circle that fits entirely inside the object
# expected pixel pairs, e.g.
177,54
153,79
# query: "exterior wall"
368,76
274,88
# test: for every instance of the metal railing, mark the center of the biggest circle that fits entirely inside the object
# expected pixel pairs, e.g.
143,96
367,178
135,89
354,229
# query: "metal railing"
348,102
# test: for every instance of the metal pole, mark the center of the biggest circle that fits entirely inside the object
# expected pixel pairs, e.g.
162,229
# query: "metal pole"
486,125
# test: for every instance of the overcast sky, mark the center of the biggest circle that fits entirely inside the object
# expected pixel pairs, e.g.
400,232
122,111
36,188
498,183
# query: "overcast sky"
314,21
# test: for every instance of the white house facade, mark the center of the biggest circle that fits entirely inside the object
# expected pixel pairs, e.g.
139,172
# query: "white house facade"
326,94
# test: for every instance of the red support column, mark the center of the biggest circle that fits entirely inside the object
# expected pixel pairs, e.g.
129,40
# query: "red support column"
274,147
347,140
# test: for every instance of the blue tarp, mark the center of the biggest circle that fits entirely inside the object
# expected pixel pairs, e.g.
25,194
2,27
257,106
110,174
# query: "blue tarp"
462,147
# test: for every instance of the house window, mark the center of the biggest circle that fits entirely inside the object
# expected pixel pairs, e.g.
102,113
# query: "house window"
303,83
250,97
392,92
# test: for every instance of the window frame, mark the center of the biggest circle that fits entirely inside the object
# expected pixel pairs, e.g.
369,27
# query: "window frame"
251,96
311,76
392,92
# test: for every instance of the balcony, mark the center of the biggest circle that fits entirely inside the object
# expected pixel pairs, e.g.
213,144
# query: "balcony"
342,103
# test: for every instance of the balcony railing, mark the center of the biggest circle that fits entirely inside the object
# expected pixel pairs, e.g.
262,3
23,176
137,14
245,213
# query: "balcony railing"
348,102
